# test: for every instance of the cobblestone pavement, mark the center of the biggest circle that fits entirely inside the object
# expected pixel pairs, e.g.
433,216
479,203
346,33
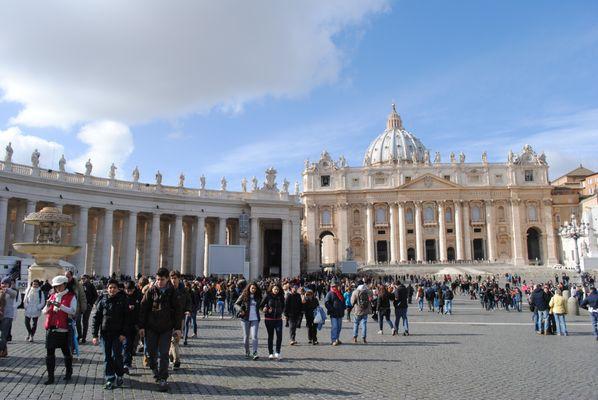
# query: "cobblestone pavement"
472,354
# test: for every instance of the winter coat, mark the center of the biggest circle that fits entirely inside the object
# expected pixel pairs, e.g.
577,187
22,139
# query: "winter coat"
309,307
275,306
358,310
401,297
293,306
7,301
242,307
539,300
91,294
334,306
161,310
558,304
111,315
383,301
75,287
34,302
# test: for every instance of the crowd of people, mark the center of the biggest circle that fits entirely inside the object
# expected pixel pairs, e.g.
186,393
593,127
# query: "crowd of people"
153,316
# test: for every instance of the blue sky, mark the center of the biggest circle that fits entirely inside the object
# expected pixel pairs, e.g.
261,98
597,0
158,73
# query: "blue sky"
202,92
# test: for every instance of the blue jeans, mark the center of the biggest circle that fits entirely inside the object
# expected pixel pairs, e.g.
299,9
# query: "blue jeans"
401,313
594,316
561,325
363,321
220,305
448,306
335,330
541,316
113,359
420,304
250,329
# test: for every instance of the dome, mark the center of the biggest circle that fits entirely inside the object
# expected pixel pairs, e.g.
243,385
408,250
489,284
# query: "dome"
394,145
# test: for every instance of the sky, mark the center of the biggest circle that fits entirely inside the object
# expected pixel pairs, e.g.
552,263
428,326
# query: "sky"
231,88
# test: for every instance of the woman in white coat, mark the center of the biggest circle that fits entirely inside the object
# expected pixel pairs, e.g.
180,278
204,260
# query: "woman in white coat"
33,303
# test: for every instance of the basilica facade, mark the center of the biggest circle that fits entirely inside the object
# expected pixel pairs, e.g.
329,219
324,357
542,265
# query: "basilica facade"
405,205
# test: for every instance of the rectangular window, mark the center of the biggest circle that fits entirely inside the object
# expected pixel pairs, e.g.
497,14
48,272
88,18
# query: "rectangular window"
477,230
449,231
529,175
410,231
379,181
325,180
447,178
381,232
407,179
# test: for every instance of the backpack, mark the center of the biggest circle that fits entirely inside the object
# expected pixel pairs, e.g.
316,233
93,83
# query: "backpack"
363,299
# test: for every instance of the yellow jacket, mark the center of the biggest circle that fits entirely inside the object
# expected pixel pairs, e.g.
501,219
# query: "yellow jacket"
558,304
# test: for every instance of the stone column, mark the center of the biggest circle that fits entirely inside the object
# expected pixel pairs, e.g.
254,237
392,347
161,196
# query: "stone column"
441,232
490,230
254,249
402,233
371,258
466,231
285,270
419,234
550,242
177,242
19,225
29,229
517,240
394,256
310,225
343,230
155,243
131,244
3,222
222,230
106,266
296,247
200,246
82,225
459,230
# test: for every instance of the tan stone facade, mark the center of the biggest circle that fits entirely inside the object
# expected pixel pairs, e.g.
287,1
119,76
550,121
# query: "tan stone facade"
403,207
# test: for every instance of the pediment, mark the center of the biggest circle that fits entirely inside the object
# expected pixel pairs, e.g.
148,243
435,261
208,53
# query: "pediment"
429,182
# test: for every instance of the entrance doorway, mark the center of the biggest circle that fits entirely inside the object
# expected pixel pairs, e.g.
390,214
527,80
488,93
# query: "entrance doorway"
382,251
327,248
478,249
411,254
430,250
272,252
450,254
534,253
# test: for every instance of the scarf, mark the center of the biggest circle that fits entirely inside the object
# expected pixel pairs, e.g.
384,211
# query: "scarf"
337,293
32,295
58,296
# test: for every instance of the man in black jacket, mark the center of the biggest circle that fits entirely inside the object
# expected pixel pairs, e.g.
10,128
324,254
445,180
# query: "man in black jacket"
110,321
539,300
91,295
400,303
160,317
133,297
293,311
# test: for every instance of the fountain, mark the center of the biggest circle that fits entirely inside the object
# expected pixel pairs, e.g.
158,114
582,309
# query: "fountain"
47,250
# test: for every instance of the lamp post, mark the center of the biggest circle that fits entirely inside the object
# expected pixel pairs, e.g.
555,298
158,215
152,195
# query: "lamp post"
573,230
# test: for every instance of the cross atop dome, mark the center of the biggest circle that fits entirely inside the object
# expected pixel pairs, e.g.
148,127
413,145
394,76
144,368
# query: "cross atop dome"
394,120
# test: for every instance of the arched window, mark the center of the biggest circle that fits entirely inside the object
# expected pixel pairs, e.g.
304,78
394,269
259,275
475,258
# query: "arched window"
326,217
380,215
476,214
501,213
356,217
532,213
448,215
428,214
409,216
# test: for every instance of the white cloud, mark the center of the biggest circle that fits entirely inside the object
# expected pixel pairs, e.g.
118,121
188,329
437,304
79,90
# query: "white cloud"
138,60
109,142
23,145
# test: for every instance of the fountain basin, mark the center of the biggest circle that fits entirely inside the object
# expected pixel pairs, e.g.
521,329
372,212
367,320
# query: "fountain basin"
47,257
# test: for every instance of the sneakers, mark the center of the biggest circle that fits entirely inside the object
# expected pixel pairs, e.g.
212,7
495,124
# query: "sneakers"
406,333
119,381
315,343
247,355
364,341
126,370
355,339
162,386
271,357
293,342
176,366
255,356
335,343
394,332
109,385
380,333
277,356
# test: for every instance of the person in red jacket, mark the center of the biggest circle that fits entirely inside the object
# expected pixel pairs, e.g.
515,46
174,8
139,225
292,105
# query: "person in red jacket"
60,306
